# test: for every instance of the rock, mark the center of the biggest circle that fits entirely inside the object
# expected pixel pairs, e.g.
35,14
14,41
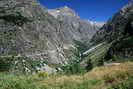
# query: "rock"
46,68
28,29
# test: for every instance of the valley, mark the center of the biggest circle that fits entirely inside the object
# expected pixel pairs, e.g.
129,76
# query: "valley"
43,48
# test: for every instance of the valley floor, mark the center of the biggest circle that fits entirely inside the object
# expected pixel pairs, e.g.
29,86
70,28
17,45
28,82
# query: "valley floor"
105,77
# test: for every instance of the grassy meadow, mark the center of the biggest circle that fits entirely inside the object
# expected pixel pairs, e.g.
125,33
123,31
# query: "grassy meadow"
104,77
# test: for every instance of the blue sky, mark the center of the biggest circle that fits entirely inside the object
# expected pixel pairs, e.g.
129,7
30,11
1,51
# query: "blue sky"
95,10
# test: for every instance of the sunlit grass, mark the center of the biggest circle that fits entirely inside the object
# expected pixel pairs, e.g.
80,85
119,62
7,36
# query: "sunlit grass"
114,72
105,77
98,78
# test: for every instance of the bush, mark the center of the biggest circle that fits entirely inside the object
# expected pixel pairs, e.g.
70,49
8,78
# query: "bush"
5,63
74,66
19,64
42,74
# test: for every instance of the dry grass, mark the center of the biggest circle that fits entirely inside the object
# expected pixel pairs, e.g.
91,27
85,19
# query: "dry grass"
71,82
105,77
98,78
113,73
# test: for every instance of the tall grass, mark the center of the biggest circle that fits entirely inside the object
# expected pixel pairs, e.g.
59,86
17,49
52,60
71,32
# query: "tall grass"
105,77
10,81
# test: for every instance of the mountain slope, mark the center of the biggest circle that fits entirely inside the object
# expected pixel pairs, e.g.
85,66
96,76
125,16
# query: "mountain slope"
77,28
29,30
118,32
35,38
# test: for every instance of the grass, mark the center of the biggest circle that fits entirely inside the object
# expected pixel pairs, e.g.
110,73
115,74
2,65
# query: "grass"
105,77
99,78
114,73
10,81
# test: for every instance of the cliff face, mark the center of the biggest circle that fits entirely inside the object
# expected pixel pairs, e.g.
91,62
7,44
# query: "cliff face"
77,28
28,29
119,32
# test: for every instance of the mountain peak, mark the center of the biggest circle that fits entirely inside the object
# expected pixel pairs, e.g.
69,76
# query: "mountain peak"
66,7
62,11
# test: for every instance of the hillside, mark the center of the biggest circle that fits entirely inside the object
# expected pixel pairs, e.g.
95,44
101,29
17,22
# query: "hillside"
29,30
117,33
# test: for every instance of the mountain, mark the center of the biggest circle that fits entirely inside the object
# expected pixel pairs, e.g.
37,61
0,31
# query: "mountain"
31,34
118,33
64,11
78,29
29,30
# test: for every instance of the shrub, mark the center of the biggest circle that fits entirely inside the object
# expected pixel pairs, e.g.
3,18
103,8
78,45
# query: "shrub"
5,63
74,66
42,74
19,64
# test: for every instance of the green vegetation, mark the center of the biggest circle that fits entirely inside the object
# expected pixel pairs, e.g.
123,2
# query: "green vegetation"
127,43
105,77
74,76
42,74
126,84
92,59
17,20
19,64
5,63
81,46
18,72
9,81
96,57
121,49
74,66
